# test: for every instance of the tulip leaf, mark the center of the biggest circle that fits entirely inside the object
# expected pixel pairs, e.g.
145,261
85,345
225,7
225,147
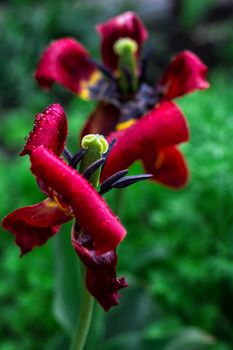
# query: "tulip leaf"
124,318
129,341
192,339
125,324
97,328
67,281
57,342
188,338
171,335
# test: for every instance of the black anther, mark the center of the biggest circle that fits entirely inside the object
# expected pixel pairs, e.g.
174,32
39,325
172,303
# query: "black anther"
77,157
93,167
107,184
110,146
67,154
129,180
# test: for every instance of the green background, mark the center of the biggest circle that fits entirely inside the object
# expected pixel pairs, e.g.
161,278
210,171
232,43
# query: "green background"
177,256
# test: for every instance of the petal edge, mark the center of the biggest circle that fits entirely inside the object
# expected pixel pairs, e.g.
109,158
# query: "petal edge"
186,73
33,225
50,129
127,24
67,62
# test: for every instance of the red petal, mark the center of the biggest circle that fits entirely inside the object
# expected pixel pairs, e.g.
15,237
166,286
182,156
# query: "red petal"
92,213
33,225
164,126
102,121
128,25
50,130
101,278
168,167
67,62
186,73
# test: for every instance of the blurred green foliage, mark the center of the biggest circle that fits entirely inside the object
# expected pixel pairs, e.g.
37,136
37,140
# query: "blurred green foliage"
177,256
192,11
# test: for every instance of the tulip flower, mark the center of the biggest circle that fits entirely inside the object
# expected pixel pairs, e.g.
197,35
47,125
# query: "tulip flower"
72,195
125,97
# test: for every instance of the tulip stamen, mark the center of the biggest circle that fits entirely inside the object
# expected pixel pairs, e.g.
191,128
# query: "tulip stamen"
107,184
93,167
130,180
119,180
67,154
77,158
110,146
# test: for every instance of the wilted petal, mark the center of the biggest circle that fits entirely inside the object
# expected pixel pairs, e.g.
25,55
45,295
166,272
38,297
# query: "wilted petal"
186,73
102,121
127,25
68,63
168,167
92,213
50,130
164,126
33,225
101,278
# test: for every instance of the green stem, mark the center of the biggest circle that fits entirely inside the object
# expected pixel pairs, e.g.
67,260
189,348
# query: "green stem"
84,321
95,146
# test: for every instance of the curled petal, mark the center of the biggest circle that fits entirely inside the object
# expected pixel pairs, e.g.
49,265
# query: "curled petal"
104,228
33,225
186,73
168,167
101,278
127,25
67,62
102,121
164,126
50,129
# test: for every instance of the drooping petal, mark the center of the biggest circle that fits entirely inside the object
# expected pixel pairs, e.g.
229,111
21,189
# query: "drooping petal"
127,25
186,73
33,225
102,121
164,126
92,213
50,129
168,167
67,62
101,278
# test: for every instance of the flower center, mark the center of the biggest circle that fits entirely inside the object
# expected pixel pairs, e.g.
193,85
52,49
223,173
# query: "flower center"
144,100
127,75
92,158
133,98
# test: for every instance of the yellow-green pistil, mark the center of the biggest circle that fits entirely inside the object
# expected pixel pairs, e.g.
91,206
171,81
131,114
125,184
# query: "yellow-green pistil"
126,49
95,146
